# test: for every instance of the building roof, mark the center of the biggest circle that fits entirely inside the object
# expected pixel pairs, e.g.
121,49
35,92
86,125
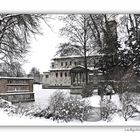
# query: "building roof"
60,69
78,69
75,56
67,69
46,72
22,78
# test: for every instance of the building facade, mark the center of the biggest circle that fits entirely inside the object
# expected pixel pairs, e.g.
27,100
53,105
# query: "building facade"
69,71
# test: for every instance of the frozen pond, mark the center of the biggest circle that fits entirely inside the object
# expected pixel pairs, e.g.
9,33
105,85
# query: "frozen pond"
42,96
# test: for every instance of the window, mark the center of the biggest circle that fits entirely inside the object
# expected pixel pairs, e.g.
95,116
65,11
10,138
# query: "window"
52,65
65,63
94,62
65,74
61,63
83,79
9,81
75,63
70,62
47,76
56,74
61,74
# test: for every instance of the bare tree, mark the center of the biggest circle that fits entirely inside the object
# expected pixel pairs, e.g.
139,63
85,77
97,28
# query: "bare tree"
80,39
128,107
15,33
108,109
34,72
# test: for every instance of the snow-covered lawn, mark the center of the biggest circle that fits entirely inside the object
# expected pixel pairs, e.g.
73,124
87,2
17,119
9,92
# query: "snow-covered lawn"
41,100
42,96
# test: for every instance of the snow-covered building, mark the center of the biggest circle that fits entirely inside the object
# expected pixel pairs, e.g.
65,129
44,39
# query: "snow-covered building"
69,71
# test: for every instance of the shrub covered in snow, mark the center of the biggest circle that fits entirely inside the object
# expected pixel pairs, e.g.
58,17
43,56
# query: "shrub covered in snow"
108,109
4,103
65,108
128,106
11,109
17,109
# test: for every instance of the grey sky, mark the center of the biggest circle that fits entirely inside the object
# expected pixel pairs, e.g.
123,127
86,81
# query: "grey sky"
44,47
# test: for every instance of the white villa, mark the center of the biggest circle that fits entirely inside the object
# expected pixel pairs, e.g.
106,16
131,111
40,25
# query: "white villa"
69,71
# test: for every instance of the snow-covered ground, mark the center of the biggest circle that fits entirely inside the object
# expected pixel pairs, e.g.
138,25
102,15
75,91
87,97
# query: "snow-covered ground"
41,99
6,120
42,96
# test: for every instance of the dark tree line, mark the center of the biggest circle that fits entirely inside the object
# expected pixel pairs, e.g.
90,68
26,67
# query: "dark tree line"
114,36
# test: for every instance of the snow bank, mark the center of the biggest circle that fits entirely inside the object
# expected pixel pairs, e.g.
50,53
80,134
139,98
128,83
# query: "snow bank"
115,99
4,103
94,100
6,120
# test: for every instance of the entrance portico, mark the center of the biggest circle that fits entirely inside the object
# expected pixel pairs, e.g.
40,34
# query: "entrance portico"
78,78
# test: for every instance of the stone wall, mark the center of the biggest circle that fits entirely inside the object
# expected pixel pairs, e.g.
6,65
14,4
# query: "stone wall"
3,85
16,89
18,97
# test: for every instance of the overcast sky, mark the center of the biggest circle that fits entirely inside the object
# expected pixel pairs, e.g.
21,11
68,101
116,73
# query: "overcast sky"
44,47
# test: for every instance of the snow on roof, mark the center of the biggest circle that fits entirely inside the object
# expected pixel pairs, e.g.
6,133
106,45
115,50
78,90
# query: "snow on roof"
22,78
64,69
46,72
67,57
92,68
76,56
60,69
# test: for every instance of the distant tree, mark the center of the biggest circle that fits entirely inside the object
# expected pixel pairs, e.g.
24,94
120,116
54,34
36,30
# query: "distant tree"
12,70
34,72
15,33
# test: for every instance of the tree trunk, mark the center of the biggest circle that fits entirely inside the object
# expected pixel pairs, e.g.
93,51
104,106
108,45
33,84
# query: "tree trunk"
85,51
110,96
85,64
